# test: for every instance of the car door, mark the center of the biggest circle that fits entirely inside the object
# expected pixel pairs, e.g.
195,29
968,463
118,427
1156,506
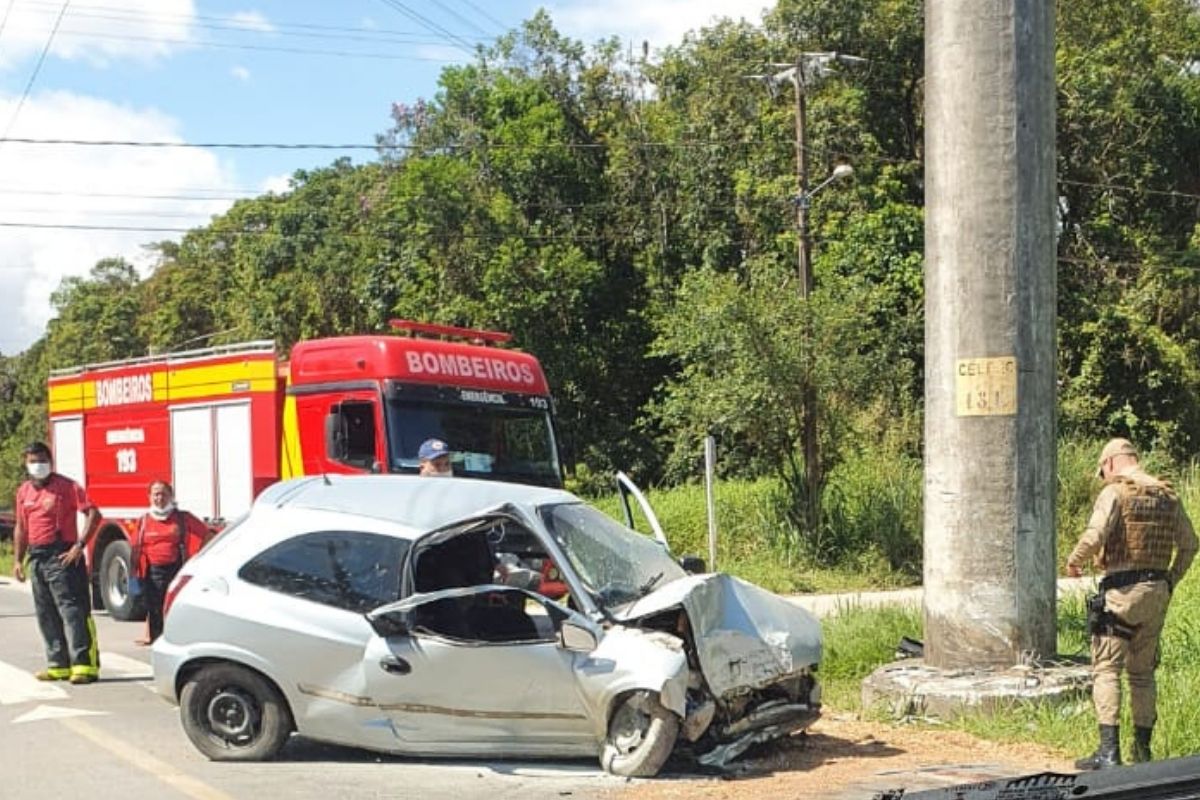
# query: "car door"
309,594
458,671
627,487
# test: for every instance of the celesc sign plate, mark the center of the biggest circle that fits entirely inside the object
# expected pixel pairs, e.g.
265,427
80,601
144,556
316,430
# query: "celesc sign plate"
985,387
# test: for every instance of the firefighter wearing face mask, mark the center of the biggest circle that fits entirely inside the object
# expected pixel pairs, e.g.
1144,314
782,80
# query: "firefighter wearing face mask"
165,535
47,531
434,456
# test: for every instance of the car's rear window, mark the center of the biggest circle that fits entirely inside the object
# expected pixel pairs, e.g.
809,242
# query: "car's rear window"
344,569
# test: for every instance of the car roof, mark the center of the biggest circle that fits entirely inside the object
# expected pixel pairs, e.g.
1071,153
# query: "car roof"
419,503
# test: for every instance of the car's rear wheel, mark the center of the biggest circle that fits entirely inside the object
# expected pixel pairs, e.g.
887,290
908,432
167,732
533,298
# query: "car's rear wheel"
234,714
641,736
114,583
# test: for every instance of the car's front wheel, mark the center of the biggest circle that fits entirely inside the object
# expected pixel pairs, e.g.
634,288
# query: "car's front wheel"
641,736
234,714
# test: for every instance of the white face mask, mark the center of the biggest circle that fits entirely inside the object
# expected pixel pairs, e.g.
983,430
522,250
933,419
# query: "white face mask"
162,512
38,470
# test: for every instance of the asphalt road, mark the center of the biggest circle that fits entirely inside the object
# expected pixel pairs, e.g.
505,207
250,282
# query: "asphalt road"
117,739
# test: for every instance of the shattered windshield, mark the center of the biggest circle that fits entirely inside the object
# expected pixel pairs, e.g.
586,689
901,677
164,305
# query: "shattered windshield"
616,564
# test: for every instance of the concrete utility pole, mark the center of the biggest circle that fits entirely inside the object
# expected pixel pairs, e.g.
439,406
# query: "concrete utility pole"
808,69
989,332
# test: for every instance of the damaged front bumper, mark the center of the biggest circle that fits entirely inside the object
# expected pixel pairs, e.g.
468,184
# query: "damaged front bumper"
771,720
754,656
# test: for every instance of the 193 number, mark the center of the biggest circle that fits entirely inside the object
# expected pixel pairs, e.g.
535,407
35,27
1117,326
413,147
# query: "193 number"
127,460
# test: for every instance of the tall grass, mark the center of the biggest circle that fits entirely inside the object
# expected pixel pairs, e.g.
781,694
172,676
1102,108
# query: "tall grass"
870,534
757,542
859,640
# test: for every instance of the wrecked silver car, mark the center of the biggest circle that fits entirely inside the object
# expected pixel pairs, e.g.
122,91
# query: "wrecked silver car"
382,612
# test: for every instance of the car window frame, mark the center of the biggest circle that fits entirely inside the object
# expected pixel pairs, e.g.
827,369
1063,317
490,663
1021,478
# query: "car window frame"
402,545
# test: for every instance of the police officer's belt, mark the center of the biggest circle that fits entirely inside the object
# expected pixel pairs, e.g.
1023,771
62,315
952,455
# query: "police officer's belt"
1119,580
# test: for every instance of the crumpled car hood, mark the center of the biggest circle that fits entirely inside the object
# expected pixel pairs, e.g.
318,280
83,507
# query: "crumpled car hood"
746,637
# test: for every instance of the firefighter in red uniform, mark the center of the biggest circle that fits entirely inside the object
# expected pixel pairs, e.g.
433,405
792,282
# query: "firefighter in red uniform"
46,527
160,547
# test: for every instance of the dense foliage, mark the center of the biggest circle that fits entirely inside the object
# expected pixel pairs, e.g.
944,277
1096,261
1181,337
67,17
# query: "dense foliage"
630,220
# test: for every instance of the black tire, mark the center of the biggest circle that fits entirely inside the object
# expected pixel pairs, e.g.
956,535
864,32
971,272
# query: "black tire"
114,575
234,714
641,736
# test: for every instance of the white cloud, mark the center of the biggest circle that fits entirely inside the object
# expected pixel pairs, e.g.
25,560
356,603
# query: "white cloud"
661,23
252,21
98,31
90,186
277,184
240,72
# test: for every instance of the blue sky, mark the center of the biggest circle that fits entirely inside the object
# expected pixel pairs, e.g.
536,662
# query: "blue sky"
204,71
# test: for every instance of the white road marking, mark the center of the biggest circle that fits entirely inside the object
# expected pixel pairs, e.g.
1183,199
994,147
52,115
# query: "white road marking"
119,666
19,686
56,712
172,776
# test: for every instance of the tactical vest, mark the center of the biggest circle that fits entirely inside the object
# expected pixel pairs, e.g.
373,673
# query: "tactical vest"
1149,514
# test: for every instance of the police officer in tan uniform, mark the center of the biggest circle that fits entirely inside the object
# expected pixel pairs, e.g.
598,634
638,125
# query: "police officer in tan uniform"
1141,537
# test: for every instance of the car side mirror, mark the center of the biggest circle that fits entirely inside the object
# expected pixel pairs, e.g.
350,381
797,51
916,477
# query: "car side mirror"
693,565
393,624
573,636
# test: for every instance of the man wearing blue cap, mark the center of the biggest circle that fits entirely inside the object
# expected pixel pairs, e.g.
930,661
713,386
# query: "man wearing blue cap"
435,459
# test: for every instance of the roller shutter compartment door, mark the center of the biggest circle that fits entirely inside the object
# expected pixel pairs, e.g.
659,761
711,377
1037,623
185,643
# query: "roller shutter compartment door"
235,479
192,460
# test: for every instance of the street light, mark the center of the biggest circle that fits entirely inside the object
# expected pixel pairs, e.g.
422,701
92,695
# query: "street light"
839,172
808,70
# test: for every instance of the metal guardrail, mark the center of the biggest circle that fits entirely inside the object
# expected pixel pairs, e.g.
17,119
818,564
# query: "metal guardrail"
1172,779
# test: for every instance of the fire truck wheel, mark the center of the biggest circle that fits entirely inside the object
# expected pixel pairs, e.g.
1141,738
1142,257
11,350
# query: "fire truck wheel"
234,714
114,578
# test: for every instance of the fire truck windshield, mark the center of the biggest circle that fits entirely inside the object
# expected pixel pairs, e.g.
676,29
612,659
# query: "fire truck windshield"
492,436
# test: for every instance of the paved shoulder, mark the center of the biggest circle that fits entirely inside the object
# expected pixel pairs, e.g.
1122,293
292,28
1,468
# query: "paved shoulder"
824,605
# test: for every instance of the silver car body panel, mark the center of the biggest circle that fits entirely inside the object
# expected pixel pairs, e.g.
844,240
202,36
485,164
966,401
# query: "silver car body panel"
746,637
460,698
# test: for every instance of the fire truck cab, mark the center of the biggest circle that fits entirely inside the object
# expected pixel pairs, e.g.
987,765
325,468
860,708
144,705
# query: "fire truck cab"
223,423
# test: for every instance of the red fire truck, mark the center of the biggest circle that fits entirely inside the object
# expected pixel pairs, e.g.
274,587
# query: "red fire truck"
224,422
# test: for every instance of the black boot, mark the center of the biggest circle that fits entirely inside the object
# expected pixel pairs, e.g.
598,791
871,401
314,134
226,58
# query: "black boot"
1108,754
1141,744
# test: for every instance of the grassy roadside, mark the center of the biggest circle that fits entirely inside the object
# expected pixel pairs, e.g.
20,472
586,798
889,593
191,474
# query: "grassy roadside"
755,541
858,641
6,557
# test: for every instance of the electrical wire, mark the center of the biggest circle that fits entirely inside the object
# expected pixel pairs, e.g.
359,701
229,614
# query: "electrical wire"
235,24
429,24
454,14
7,11
479,146
259,47
36,70
500,26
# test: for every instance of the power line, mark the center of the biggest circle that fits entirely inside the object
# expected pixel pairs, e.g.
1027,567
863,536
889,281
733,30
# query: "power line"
481,12
36,69
190,145
264,48
458,16
213,194
1135,189
231,23
681,145
7,11
429,24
